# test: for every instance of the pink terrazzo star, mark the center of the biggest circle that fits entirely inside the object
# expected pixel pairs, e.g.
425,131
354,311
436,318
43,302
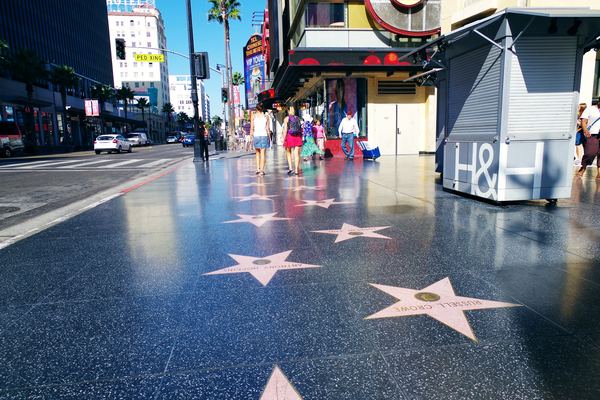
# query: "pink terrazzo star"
350,232
256,220
439,302
262,268
279,387
322,203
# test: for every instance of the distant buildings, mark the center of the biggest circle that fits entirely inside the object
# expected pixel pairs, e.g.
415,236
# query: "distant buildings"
140,24
180,87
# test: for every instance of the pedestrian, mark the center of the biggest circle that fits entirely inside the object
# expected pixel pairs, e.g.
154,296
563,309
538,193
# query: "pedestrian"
309,148
293,140
590,123
320,137
579,138
347,129
205,141
260,131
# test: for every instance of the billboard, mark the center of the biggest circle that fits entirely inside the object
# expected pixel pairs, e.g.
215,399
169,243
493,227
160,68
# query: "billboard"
254,70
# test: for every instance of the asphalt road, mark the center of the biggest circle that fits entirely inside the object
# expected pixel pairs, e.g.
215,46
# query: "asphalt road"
32,186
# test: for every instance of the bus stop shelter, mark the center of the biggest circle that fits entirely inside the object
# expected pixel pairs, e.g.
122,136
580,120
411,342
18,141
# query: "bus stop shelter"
508,93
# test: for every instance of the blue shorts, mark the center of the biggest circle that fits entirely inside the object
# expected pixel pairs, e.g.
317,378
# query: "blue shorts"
261,142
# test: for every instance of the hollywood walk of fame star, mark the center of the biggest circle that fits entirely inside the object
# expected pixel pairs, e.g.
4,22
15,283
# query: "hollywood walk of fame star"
255,196
257,220
322,203
350,232
302,187
439,302
262,268
279,387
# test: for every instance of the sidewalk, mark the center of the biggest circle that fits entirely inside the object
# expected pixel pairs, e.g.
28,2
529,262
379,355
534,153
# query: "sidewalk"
357,280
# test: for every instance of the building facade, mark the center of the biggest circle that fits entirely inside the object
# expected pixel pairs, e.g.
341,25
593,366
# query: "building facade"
337,56
141,26
180,87
56,32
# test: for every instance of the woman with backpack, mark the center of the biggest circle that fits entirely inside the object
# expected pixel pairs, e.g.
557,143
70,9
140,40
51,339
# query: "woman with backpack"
293,140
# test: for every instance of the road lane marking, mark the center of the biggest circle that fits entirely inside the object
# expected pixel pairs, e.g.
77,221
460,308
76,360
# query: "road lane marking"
49,163
154,163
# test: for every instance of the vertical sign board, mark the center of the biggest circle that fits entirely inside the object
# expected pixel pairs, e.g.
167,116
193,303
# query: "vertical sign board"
92,108
95,108
254,70
88,108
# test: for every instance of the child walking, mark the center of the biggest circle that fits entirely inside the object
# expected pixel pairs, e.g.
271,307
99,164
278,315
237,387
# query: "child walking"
319,134
309,148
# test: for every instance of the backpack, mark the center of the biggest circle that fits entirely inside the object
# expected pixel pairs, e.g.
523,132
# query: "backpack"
295,128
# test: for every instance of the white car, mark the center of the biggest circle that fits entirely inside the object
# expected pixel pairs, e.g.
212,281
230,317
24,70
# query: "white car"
110,143
138,139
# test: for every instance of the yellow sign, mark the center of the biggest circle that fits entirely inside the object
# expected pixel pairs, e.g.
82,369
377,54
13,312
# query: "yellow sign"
150,57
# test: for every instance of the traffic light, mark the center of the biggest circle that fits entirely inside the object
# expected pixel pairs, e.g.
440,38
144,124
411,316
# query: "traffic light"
120,48
201,65
224,95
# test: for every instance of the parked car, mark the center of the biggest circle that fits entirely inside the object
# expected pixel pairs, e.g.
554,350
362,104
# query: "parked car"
189,140
110,143
172,139
11,140
138,138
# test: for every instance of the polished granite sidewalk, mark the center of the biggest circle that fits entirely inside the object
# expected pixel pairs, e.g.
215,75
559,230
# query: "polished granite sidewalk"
358,280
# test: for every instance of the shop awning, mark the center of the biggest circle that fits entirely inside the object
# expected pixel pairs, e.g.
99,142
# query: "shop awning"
304,63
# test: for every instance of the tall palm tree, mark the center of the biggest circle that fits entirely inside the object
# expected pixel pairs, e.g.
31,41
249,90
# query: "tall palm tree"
103,93
168,109
142,104
183,119
64,78
25,66
125,95
222,11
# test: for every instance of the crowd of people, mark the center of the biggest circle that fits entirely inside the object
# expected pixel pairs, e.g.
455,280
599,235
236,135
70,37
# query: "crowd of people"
304,137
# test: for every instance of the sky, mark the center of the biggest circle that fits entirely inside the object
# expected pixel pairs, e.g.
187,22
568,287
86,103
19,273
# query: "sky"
208,36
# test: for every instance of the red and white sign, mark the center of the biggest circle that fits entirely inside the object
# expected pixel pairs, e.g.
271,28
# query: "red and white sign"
92,108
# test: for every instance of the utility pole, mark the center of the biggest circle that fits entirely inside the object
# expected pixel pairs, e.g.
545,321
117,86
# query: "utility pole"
199,143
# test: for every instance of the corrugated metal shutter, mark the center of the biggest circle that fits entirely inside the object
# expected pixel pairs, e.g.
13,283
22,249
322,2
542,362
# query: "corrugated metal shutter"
542,86
473,93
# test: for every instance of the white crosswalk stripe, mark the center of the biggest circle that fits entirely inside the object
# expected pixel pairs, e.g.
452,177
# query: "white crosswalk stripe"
89,164
154,163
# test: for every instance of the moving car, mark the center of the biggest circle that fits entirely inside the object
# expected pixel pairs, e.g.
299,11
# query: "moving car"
189,140
11,140
138,138
172,139
110,143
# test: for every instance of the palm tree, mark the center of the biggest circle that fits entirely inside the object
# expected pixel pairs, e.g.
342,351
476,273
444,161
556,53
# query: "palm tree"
142,103
103,93
65,78
168,109
25,66
183,119
222,11
126,95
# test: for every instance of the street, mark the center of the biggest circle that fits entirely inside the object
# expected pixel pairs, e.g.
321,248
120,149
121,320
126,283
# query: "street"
31,186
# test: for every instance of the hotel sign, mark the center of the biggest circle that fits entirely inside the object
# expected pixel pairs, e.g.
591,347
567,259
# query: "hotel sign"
149,57
128,5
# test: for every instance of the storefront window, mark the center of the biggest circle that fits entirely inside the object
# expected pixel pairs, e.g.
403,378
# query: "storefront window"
345,95
61,128
325,15
48,129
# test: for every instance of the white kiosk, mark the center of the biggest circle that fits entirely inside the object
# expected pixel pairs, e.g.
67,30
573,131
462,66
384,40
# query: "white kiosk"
507,101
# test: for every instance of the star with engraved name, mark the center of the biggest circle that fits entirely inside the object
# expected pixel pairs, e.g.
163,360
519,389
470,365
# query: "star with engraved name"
262,268
279,387
439,302
322,203
256,220
303,187
350,232
255,196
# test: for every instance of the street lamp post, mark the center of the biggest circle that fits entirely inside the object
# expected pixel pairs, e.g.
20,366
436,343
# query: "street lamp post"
219,71
199,143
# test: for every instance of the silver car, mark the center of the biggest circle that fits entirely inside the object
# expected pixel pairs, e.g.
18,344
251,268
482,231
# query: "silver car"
138,138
